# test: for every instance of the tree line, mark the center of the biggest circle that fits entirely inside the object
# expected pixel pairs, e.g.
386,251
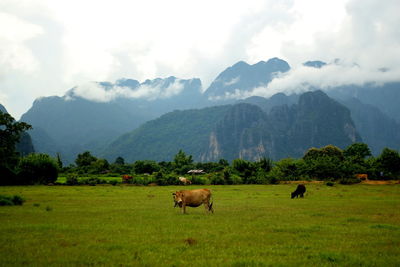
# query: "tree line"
326,163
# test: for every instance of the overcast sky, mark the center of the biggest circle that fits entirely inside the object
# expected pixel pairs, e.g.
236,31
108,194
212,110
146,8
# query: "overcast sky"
49,46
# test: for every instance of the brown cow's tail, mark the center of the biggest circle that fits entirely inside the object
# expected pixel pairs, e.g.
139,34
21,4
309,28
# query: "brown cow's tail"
210,207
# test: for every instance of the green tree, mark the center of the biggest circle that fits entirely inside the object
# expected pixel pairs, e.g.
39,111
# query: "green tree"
99,166
245,169
332,152
357,150
59,161
181,159
37,169
289,169
85,159
146,166
389,163
182,162
119,160
312,154
324,163
10,134
265,164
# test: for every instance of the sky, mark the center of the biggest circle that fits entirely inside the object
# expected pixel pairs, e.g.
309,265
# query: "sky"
49,46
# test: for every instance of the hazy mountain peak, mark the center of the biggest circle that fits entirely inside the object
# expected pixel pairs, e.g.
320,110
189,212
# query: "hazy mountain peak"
243,77
240,64
3,109
314,64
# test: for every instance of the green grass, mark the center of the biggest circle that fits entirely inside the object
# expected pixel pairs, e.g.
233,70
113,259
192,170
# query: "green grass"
253,225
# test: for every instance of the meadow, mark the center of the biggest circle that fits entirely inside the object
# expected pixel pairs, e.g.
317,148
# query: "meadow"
253,225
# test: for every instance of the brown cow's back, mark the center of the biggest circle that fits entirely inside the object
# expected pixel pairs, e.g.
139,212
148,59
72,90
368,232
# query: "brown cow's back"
193,198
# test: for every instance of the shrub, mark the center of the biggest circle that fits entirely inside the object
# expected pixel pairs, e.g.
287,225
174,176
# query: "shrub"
11,200
18,200
200,180
159,178
37,169
330,183
94,181
113,182
6,201
216,178
172,179
236,179
72,179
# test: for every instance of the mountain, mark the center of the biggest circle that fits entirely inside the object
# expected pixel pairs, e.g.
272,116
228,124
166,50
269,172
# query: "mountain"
376,128
385,96
3,109
241,131
266,104
286,131
77,122
25,145
243,77
162,138
91,116
315,64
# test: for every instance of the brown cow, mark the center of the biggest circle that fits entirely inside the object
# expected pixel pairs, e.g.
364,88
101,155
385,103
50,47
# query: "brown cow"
184,180
193,198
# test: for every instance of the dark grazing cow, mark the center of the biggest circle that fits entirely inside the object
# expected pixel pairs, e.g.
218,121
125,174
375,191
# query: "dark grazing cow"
300,190
193,198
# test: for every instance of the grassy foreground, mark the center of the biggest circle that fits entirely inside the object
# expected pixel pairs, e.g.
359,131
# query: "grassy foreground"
253,225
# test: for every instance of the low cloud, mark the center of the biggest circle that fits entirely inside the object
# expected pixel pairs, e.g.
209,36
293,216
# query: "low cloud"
95,92
302,79
232,81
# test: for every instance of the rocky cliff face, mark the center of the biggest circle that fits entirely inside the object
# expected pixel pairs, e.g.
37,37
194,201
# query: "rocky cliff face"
243,133
248,132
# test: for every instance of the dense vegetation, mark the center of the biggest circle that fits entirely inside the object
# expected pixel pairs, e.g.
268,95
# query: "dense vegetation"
15,169
328,163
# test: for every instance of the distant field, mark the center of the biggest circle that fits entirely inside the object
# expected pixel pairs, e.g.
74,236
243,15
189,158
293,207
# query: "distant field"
253,225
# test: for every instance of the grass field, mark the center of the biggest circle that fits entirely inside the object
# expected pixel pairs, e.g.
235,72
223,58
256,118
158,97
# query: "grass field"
253,225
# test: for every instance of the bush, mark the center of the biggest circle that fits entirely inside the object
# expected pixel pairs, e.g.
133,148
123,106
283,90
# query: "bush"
236,179
37,169
72,179
171,179
142,180
11,200
330,183
159,178
113,182
200,180
216,178
94,181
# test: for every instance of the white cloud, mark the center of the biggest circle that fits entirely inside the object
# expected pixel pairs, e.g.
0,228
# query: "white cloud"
95,92
232,81
15,54
301,79
48,46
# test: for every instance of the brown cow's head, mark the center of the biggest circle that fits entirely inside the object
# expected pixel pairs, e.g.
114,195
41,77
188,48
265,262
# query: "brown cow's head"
178,198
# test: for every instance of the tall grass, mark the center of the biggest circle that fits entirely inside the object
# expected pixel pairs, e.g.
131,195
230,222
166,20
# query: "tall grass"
253,225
